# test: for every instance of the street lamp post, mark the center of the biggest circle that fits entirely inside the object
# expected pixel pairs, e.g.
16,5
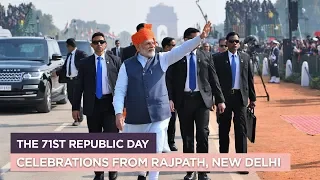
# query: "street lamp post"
38,26
248,23
305,18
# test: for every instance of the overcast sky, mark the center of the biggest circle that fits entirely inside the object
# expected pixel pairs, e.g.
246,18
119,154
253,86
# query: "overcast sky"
126,14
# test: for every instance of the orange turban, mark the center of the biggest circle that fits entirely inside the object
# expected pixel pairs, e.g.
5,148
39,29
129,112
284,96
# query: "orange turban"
142,35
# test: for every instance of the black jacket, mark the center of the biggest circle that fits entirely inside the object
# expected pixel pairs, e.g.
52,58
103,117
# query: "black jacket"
62,73
208,82
222,64
86,83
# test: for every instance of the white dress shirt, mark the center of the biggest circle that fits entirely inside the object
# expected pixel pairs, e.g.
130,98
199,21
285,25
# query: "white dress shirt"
105,80
188,56
166,59
74,71
237,79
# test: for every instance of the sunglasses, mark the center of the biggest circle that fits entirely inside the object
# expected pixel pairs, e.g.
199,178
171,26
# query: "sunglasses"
97,42
223,46
234,41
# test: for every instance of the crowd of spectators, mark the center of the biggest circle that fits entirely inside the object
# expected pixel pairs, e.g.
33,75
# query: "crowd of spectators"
309,46
14,16
260,12
263,14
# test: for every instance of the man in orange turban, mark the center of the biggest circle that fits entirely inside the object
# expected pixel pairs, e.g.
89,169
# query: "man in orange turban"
141,83
131,50
142,35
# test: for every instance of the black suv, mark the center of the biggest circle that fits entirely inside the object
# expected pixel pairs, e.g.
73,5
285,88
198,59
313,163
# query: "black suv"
82,45
27,73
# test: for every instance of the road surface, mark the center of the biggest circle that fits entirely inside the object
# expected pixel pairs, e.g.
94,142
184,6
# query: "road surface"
59,120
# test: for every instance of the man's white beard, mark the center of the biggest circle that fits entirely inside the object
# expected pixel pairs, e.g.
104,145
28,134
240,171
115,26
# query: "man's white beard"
147,53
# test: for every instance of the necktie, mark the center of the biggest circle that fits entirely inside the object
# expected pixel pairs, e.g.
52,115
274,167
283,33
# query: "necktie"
69,68
99,79
233,68
192,72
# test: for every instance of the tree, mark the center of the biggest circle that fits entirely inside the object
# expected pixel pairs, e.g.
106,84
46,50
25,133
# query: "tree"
46,26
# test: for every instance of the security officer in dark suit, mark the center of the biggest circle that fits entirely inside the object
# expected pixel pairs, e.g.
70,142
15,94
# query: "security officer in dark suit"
97,77
117,51
69,72
236,80
193,84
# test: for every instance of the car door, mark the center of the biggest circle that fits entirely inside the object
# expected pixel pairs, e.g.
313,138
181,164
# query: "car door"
57,88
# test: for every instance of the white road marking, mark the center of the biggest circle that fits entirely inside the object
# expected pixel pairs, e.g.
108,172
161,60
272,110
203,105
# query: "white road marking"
60,128
6,168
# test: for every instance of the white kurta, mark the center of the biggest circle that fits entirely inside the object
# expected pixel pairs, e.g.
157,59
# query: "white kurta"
160,128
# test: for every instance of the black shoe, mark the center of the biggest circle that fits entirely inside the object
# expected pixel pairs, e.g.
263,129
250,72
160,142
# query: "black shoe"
189,176
173,147
80,119
243,172
203,176
113,175
99,177
142,177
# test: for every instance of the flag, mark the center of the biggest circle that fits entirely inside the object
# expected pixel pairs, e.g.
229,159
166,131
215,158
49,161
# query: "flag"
66,29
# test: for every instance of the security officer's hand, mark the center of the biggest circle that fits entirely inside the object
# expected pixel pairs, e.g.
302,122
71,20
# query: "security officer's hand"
76,115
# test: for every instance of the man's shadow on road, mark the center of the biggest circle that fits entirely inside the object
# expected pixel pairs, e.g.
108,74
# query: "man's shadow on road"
296,102
133,174
16,111
29,125
314,164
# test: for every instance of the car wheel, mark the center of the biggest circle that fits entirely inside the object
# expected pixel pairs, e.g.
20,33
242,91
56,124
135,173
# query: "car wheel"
45,106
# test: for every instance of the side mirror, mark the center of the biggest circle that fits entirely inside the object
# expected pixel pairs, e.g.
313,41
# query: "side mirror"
56,57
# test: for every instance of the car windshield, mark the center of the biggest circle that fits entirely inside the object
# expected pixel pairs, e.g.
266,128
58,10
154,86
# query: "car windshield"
83,46
23,49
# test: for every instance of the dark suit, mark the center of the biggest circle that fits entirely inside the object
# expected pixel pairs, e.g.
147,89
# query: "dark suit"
194,107
71,82
236,100
130,51
100,112
172,123
62,73
114,52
